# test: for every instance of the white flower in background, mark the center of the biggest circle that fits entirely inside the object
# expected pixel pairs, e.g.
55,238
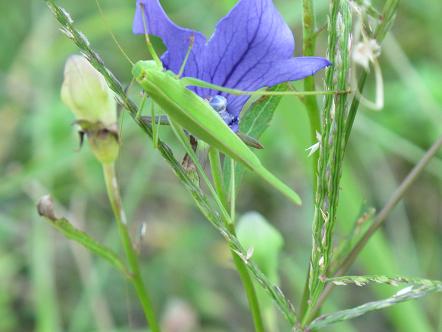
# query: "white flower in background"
365,52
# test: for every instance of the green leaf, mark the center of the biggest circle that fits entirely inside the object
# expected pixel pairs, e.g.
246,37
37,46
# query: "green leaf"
378,279
420,288
254,123
257,119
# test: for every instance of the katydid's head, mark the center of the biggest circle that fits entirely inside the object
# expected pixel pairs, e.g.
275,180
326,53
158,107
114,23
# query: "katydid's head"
244,53
142,69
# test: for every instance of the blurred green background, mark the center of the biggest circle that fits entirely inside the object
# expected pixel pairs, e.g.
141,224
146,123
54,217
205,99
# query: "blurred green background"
49,284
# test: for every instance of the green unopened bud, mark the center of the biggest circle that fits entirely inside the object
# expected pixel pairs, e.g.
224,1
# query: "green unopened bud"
86,92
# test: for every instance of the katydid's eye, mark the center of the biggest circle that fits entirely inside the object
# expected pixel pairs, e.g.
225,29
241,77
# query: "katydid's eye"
218,103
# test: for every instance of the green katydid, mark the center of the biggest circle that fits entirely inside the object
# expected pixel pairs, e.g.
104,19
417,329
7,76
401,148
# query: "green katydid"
194,114
197,116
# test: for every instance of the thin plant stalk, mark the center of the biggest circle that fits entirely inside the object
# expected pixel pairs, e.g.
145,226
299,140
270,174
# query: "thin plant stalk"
244,275
379,221
311,104
331,151
120,217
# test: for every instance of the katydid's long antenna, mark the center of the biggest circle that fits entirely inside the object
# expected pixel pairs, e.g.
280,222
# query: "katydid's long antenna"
146,36
111,32
183,66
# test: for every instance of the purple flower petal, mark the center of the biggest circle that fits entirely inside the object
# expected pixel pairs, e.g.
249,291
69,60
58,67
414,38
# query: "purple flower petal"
252,48
176,38
253,32
270,74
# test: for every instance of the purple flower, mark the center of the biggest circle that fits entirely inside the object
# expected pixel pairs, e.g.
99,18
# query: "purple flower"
252,47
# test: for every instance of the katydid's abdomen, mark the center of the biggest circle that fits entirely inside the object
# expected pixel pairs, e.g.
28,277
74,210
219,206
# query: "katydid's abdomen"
197,116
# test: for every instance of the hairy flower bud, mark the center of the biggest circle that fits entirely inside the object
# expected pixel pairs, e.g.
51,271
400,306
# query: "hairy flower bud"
86,92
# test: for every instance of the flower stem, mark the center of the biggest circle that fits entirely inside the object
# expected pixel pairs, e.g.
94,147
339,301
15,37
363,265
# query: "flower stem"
378,222
249,288
244,275
311,104
120,217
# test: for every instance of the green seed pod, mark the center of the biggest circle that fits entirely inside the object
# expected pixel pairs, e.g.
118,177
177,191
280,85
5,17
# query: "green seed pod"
86,93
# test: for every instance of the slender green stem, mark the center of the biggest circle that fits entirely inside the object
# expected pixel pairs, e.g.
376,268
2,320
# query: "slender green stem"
331,152
378,221
217,176
120,217
249,288
244,275
344,128
311,104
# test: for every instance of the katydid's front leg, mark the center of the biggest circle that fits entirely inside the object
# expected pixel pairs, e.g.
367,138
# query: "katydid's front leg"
190,81
141,106
154,124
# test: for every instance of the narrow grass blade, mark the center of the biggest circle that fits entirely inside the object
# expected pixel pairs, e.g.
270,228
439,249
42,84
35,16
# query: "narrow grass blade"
405,294
63,225
378,279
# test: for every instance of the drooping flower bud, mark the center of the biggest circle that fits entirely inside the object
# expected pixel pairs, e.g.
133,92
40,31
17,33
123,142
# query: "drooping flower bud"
87,94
